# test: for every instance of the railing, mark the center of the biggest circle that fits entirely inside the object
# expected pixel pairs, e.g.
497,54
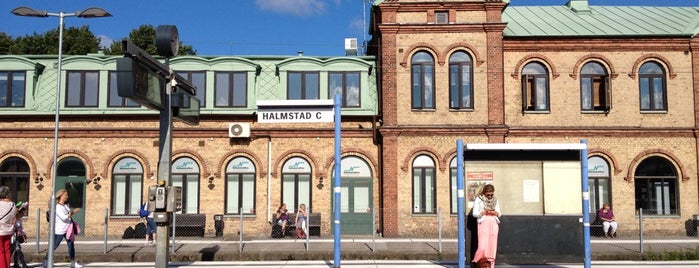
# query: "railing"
435,228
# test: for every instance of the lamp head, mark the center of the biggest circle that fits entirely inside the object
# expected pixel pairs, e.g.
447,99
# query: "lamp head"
93,12
29,12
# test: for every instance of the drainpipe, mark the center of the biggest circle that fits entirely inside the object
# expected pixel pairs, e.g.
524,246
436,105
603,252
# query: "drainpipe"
269,178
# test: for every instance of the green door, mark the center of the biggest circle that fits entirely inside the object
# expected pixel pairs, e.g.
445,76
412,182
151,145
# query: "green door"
71,176
356,206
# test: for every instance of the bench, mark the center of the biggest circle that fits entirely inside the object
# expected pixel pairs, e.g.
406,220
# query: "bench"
314,224
189,224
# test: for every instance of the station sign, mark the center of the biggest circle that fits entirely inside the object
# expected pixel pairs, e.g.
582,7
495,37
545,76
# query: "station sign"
295,111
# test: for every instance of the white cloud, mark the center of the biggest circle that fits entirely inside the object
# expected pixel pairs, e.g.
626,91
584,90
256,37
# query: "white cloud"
105,41
301,8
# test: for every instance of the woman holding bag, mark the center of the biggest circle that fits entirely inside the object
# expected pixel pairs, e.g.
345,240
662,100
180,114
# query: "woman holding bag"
64,221
487,210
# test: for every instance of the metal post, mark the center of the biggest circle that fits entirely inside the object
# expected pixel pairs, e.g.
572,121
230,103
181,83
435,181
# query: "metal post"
585,205
106,230
373,234
640,229
460,202
439,230
240,236
162,254
52,206
336,181
38,230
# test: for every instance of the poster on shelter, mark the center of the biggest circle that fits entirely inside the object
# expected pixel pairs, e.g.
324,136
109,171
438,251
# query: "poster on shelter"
476,180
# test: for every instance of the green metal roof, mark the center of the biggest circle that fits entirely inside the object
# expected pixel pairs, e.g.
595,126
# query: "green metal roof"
549,21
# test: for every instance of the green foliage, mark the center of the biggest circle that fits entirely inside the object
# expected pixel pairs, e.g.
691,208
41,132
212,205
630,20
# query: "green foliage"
80,41
682,255
144,37
76,41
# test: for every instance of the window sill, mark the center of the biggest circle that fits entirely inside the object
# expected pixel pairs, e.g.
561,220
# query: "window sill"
462,110
594,112
536,112
654,112
422,110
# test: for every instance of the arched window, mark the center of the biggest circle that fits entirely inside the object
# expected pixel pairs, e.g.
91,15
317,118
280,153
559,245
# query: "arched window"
14,173
594,88
296,183
424,186
598,182
127,185
460,81
535,87
655,182
651,83
185,173
240,186
422,77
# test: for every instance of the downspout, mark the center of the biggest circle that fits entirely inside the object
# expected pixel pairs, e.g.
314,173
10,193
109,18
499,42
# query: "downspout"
269,178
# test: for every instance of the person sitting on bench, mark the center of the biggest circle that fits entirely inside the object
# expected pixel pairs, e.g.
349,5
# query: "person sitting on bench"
282,218
606,215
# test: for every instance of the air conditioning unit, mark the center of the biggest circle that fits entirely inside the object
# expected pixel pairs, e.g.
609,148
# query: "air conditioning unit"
238,130
350,46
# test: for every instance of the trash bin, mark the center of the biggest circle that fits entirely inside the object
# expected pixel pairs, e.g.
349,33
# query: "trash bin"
695,221
218,224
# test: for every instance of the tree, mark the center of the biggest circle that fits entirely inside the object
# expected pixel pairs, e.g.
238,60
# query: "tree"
76,41
144,37
5,43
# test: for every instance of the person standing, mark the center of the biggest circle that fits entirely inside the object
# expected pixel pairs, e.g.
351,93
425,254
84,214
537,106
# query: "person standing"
20,236
7,226
486,209
301,217
64,221
606,215
147,217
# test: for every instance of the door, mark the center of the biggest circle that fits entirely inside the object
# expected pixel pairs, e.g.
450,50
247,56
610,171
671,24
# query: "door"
71,176
76,196
356,206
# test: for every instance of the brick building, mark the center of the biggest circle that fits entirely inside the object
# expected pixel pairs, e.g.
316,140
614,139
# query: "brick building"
622,78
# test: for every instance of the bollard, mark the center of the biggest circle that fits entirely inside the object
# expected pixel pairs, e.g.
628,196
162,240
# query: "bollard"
219,224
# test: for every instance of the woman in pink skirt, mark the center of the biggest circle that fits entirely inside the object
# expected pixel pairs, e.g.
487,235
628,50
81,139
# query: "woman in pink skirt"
487,210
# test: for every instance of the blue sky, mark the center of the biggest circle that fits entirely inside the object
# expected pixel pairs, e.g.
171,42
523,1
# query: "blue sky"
237,27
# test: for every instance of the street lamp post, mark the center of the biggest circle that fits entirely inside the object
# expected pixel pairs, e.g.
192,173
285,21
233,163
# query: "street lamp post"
93,12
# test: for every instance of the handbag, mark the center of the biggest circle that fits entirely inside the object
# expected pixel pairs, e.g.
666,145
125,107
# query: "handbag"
20,238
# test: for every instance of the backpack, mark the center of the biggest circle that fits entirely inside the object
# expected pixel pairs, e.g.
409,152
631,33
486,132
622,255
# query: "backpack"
143,212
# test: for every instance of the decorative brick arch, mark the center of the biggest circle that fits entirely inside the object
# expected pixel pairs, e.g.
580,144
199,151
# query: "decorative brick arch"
653,57
302,153
656,152
351,152
89,166
418,47
203,167
462,46
33,170
220,167
126,153
535,57
594,57
418,151
446,160
607,156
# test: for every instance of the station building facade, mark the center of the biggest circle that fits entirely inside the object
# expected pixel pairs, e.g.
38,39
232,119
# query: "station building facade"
436,71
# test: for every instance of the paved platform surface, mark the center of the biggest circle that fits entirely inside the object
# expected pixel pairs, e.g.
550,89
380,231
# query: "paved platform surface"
212,250
380,263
